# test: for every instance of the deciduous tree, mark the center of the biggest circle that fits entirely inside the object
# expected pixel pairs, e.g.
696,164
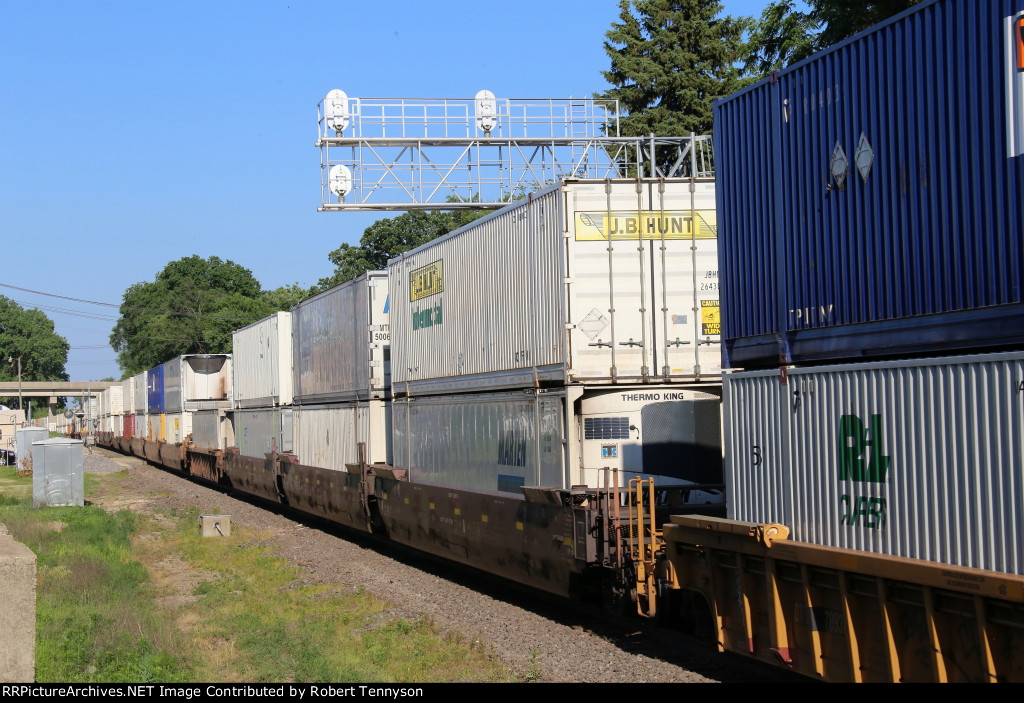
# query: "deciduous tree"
192,307
29,336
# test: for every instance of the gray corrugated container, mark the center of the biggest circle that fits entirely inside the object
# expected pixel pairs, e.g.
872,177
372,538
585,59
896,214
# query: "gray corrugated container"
919,458
499,442
584,281
340,342
255,428
141,404
328,435
212,429
141,427
197,382
261,362
58,474
915,247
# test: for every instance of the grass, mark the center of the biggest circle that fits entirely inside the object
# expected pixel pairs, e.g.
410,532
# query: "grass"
123,597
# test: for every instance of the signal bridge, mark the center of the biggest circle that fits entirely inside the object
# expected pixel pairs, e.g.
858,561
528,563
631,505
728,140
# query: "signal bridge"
481,152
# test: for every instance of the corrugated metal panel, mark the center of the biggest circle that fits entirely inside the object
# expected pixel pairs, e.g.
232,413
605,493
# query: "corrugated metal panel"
586,281
141,428
922,253
211,429
255,428
341,342
261,362
141,393
917,458
58,473
114,401
174,397
491,443
155,390
327,436
128,394
177,426
128,429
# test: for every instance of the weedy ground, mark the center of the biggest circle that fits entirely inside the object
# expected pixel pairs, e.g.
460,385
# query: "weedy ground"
133,597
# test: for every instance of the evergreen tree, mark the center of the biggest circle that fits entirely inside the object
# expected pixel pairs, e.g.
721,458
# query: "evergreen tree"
669,60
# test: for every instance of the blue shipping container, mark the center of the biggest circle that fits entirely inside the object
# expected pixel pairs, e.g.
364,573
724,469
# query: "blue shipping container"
871,198
155,386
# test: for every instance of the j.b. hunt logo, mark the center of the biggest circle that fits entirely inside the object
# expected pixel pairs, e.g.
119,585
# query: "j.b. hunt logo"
428,317
862,459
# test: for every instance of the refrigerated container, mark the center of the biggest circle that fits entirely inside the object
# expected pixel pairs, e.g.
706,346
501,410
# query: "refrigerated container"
504,441
197,382
586,281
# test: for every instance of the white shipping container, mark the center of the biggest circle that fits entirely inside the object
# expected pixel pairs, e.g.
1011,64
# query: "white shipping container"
111,401
261,362
212,429
141,429
128,395
558,438
141,386
328,435
197,382
583,282
341,342
919,458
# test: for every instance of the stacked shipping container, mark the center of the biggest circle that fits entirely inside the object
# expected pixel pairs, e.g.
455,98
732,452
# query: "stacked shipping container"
870,210
546,341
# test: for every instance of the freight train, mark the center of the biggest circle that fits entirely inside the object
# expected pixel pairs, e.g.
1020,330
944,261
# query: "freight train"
541,394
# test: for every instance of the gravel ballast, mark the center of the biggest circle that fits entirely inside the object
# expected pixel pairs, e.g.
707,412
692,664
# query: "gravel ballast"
546,641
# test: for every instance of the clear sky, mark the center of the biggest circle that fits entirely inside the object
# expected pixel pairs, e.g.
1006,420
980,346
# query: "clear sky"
135,133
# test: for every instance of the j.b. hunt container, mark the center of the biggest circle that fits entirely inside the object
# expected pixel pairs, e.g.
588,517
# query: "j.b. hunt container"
261,363
341,342
870,197
583,282
504,441
919,458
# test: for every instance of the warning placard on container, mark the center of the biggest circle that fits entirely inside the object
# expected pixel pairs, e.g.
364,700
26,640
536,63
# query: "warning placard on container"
646,224
710,317
426,281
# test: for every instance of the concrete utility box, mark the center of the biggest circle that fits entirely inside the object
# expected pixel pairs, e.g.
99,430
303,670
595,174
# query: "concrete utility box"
18,611
215,525
58,473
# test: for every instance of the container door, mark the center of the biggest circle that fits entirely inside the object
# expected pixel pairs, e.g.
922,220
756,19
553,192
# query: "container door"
644,281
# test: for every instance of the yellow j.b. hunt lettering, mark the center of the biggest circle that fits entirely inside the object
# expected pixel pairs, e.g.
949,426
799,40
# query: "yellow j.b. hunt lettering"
426,281
646,224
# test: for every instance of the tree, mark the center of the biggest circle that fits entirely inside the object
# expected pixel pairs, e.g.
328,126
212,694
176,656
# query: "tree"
785,34
29,336
284,297
669,60
192,307
387,238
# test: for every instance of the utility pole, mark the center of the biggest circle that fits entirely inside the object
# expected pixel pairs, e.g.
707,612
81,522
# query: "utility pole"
21,402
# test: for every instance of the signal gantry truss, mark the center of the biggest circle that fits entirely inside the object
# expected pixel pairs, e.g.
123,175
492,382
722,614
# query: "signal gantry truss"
481,152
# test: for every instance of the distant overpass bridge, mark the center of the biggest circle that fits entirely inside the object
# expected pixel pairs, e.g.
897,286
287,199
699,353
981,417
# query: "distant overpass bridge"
51,390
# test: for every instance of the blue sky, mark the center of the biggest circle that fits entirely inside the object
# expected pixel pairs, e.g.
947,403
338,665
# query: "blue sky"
137,133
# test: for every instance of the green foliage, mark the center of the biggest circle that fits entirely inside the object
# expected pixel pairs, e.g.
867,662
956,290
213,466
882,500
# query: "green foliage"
192,307
285,297
30,336
387,238
786,33
669,60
